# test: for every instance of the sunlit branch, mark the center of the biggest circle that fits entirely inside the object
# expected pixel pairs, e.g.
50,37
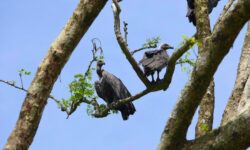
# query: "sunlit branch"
123,45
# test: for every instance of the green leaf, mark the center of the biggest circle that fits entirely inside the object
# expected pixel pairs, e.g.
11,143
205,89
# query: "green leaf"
151,42
24,72
204,127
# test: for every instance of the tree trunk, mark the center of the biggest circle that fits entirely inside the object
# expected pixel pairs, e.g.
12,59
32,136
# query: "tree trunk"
206,112
48,72
213,49
240,83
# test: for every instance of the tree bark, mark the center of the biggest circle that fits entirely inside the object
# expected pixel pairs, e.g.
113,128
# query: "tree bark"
48,72
215,47
206,112
240,83
234,135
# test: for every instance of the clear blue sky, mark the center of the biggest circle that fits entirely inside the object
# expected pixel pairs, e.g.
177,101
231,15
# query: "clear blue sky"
29,27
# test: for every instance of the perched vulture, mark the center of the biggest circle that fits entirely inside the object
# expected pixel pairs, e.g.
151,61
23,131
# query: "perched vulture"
191,9
155,60
111,89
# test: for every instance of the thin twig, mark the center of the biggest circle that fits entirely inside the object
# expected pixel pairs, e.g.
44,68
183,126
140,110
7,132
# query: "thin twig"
74,105
116,11
125,28
21,79
12,83
143,48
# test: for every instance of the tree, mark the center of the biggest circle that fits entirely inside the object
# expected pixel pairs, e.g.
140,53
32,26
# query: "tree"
49,70
213,46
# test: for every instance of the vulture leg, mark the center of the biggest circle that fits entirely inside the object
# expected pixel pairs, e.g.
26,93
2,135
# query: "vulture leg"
152,75
158,76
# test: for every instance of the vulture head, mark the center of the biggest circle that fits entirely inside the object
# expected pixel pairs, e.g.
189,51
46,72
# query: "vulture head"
99,65
166,46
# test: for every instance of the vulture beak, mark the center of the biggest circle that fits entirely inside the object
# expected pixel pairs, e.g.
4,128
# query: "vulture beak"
170,47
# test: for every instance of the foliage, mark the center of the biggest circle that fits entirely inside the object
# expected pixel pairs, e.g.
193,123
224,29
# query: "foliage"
186,58
204,127
24,72
82,91
101,57
152,42
80,88
90,109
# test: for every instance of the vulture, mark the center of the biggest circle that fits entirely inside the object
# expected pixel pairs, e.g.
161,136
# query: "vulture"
155,60
111,89
191,9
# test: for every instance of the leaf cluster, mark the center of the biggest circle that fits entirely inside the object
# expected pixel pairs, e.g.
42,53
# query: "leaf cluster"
80,88
24,72
152,42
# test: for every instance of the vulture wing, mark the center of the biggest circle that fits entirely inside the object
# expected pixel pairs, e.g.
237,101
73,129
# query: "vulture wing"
148,57
103,90
160,61
110,89
115,85
150,54
212,4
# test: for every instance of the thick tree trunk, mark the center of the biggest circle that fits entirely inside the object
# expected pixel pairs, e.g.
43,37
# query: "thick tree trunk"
234,135
214,49
48,71
235,101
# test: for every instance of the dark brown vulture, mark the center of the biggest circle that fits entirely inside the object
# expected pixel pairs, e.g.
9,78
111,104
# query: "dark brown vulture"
155,60
111,89
191,9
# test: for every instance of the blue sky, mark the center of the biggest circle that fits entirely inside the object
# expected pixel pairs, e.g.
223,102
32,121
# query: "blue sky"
29,27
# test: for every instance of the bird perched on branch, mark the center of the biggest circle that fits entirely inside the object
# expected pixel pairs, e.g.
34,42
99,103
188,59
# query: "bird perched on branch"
191,9
111,89
155,60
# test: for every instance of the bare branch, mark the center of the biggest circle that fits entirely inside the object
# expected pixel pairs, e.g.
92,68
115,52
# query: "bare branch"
116,11
125,28
143,48
115,105
21,79
12,84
